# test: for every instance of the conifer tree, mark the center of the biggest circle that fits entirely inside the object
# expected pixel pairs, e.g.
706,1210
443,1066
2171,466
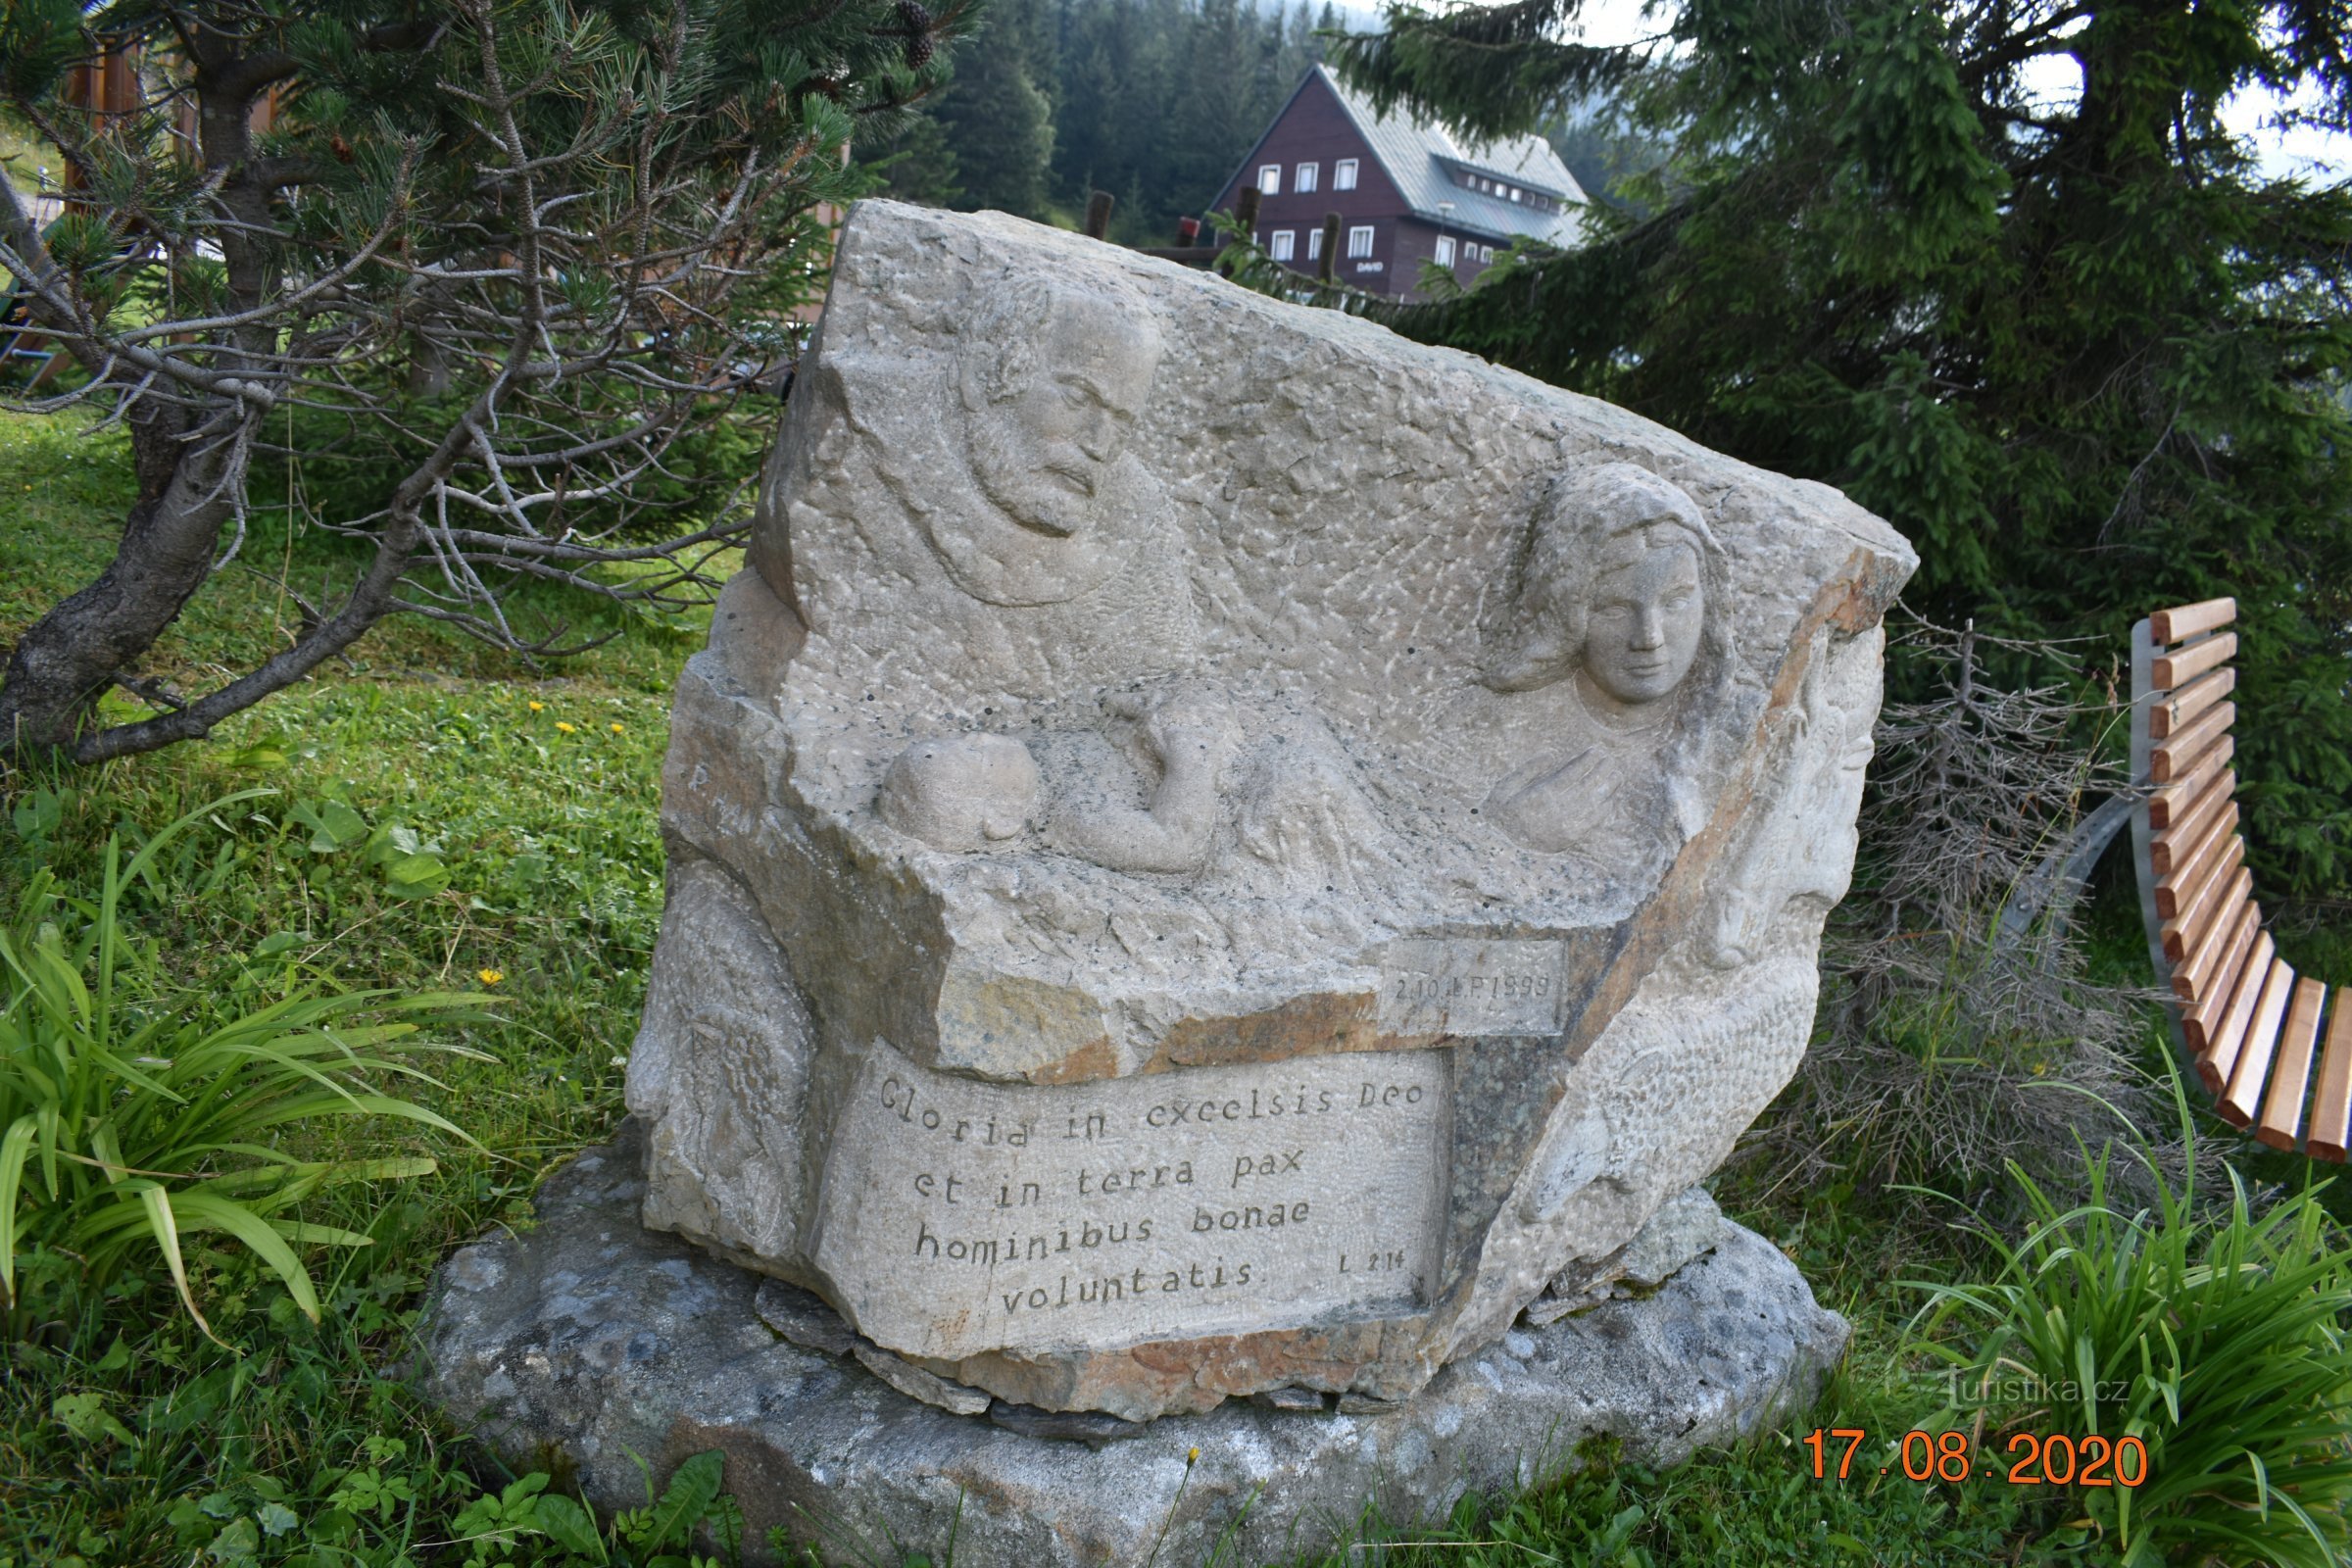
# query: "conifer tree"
2087,354
524,266
998,123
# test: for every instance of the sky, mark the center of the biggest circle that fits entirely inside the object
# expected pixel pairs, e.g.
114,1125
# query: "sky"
2320,155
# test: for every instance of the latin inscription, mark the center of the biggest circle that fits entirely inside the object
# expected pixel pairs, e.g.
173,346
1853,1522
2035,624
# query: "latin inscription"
960,1216
1472,987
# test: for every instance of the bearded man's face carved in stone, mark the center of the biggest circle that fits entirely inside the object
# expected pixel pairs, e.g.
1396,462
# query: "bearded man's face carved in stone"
1643,627
1045,446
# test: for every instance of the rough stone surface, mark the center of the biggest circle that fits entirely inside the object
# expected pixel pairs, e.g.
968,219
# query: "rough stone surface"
1214,848
802,1319
1684,1226
597,1338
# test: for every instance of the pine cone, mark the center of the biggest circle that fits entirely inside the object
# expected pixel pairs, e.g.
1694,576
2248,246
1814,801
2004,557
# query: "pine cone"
917,23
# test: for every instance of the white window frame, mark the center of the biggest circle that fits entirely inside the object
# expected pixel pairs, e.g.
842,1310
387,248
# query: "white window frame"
1445,256
1269,179
1304,177
1359,242
1285,244
1314,244
1342,175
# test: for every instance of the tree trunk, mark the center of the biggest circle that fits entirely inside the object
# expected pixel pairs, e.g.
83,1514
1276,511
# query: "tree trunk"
68,660
187,481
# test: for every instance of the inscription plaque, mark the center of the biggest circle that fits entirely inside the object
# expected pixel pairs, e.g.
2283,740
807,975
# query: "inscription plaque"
1471,987
970,1216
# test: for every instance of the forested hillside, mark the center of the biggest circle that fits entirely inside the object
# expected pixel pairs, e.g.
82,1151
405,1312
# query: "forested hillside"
1155,101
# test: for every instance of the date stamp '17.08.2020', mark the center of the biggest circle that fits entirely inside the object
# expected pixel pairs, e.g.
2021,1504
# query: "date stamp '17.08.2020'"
2027,1459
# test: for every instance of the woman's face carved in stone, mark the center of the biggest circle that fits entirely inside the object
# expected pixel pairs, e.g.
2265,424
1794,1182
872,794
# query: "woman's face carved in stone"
1644,618
1615,593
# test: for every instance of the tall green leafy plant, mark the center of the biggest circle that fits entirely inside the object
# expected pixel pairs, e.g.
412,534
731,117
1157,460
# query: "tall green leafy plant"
134,1115
2217,1336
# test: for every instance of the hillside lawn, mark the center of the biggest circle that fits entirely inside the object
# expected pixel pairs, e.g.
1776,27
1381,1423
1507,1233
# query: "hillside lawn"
127,1438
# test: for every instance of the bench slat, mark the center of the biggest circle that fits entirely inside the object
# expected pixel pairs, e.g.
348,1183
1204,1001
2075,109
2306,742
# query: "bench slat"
2186,620
2178,891
2195,976
2221,1056
2283,1107
2191,701
2202,1023
2214,904
2168,803
2179,754
2262,1042
2176,845
2331,1102
2179,669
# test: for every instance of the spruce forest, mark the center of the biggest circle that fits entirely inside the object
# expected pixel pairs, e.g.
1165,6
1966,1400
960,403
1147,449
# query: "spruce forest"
1155,101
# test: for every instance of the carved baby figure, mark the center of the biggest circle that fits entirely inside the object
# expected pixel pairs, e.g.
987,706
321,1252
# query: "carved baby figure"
1615,600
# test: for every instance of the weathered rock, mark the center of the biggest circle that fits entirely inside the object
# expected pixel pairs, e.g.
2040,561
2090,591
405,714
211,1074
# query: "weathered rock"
1219,849
917,1383
1090,1427
1684,1226
1291,1399
592,1337
802,1319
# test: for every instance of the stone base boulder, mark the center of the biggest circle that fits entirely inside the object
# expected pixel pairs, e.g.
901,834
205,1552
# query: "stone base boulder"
596,1338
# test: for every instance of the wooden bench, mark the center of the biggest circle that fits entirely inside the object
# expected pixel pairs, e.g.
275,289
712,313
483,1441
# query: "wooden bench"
2252,1029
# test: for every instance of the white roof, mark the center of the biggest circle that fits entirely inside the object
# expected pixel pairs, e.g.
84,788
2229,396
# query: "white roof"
1421,157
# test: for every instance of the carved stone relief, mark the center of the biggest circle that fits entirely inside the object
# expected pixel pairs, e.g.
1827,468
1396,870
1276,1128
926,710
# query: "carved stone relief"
1614,603
1148,694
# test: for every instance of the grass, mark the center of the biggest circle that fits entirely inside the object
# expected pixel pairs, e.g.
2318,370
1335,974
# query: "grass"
125,1437
444,817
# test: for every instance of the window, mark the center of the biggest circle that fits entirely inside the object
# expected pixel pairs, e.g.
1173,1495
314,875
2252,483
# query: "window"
1444,250
1359,242
1486,253
1306,177
1284,239
1342,175
1269,179
1510,193
1314,244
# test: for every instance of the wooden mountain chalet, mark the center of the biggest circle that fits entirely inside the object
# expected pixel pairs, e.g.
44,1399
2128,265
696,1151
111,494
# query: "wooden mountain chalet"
1406,191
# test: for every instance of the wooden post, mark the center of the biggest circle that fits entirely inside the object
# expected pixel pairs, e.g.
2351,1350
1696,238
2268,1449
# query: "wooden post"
1331,248
1097,215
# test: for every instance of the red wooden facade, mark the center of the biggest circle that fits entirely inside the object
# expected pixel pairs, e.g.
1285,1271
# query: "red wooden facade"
1418,192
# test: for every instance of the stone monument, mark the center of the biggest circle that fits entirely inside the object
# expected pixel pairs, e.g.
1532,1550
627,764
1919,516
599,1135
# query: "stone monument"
1218,852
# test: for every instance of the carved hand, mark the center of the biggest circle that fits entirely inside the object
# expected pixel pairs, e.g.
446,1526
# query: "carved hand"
1192,738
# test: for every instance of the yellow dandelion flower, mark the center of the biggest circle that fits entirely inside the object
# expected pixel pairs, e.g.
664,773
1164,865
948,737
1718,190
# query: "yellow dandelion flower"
538,707
491,977
565,728
616,729
1193,1457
